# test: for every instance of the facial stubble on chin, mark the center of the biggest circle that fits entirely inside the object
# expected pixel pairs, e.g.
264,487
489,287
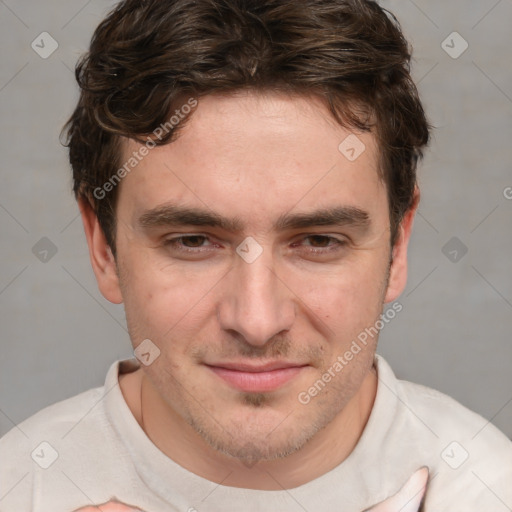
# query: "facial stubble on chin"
255,400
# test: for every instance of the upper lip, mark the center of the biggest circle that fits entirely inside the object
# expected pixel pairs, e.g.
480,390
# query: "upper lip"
253,368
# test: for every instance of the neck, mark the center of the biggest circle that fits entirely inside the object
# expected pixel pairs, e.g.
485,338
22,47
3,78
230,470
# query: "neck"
326,450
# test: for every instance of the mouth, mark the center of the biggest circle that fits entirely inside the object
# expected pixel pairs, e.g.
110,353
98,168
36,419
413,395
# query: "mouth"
257,378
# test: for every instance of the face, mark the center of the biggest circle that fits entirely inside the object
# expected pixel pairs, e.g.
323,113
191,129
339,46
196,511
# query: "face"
252,253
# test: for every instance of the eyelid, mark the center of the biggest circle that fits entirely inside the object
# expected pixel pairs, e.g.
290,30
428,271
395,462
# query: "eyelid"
176,239
338,237
335,243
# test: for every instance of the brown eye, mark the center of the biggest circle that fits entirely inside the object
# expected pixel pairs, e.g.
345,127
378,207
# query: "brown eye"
319,240
193,241
187,243
323,243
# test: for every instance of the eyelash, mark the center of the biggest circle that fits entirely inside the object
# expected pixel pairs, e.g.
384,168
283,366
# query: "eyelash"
176,243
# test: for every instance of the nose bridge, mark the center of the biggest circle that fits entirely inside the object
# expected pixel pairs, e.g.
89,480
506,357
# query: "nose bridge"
257,304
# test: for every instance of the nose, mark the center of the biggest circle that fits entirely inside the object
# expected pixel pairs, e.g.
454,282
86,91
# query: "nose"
256,303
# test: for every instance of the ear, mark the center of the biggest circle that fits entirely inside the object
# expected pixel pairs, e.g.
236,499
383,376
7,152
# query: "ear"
398,270
102,260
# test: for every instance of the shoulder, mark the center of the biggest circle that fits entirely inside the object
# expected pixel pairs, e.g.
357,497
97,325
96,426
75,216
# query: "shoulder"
446,417
55,417
439,413
470,460
52,422
61,419
47,439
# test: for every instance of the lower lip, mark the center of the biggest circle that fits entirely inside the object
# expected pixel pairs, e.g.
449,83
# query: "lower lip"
254,382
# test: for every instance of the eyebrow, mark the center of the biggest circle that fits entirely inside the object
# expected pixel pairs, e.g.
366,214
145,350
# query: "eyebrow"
175,215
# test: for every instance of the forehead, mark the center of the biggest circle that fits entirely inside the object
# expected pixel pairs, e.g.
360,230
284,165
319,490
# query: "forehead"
254,154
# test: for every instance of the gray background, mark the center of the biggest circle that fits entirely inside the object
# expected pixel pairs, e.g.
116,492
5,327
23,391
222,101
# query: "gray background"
59,335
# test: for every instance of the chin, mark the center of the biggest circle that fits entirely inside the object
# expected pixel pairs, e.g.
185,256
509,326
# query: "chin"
259,436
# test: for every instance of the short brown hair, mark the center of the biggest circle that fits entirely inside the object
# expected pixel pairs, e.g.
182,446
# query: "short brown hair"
146,56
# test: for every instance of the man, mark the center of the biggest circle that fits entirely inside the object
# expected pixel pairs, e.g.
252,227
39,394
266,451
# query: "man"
246,175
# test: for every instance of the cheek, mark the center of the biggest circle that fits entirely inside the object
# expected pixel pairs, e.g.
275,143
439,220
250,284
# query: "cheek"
351,293
164,302
170,301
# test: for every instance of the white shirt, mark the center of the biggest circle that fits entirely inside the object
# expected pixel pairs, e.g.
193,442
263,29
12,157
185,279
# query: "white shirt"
94,449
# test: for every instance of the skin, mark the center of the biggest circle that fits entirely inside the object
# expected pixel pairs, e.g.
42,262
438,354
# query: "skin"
254,157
